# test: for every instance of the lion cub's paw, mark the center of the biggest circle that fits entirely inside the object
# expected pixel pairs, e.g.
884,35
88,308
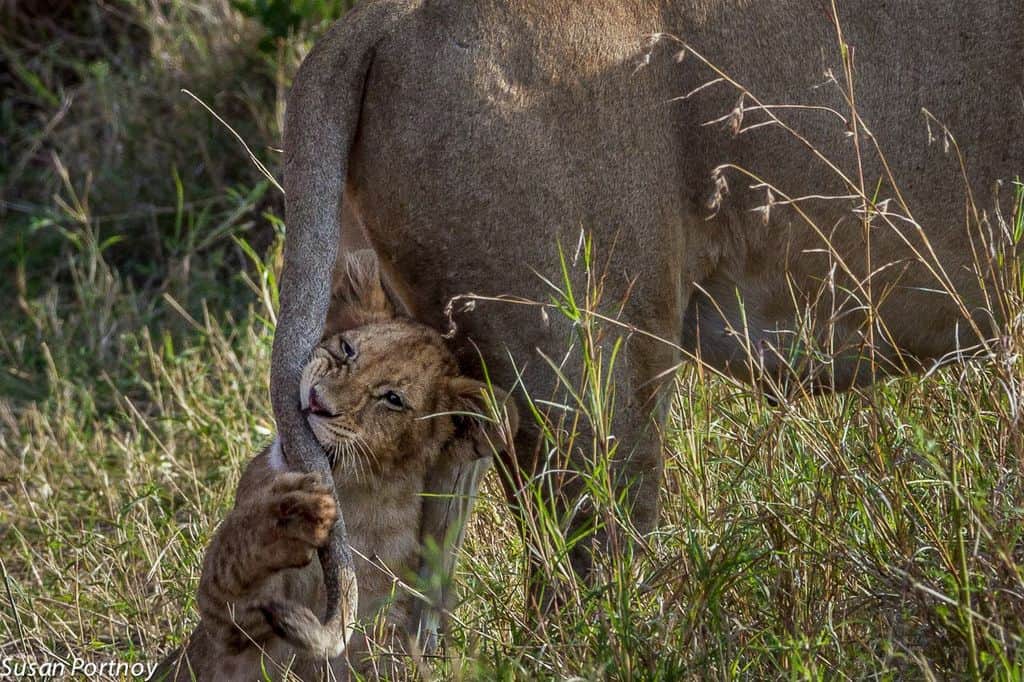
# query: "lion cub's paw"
303,513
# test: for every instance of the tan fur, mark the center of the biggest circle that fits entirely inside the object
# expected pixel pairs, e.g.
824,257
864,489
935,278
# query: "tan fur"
470,137
260,592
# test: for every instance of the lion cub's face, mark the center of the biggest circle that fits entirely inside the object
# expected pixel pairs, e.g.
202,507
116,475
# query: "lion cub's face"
382,392
373,395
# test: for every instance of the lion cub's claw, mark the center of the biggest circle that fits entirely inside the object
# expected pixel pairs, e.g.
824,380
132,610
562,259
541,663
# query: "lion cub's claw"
304,511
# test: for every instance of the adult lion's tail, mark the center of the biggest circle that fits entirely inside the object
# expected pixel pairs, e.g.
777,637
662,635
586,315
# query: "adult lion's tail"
323,113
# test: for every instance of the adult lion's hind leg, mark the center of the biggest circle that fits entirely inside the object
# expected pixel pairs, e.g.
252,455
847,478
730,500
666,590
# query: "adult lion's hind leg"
585,486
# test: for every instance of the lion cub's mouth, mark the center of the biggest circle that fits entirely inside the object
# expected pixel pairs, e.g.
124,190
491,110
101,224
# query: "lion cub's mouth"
314,407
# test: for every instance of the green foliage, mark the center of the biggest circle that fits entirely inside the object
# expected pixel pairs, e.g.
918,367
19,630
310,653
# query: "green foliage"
1018,211
281,19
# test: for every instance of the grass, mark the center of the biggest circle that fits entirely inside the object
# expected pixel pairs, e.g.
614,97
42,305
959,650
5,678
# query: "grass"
873,534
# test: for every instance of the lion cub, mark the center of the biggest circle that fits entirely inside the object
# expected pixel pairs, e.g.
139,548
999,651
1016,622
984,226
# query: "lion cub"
385,399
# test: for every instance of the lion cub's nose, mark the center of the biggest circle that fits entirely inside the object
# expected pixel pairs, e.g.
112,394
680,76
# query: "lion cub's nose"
315,405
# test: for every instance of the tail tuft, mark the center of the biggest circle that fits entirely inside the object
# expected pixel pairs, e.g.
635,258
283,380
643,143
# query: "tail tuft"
298,626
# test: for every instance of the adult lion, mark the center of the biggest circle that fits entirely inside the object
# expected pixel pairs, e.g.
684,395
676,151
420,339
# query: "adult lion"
471,137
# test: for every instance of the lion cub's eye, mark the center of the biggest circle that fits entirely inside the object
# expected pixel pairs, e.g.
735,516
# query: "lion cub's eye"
393,400
348,350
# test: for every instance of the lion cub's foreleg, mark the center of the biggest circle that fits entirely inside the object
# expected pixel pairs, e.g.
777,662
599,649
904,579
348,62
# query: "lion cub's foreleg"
453,489
278,527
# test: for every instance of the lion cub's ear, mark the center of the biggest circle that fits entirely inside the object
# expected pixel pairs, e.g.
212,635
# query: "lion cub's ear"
359,295
486,419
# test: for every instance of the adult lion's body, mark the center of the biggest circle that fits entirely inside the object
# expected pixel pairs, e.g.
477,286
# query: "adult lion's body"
476,135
